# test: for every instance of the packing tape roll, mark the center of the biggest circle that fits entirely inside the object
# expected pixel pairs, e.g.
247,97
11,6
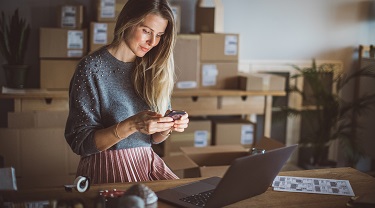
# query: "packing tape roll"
81,184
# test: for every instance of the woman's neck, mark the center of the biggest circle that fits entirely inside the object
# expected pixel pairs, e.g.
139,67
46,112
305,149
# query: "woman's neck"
122,52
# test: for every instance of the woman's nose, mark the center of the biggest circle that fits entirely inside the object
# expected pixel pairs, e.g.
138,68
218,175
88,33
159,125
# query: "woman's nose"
151,41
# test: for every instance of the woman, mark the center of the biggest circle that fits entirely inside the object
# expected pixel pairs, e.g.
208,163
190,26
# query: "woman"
119,94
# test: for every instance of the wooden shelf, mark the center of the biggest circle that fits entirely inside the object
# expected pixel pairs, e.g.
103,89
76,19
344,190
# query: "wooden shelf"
40,93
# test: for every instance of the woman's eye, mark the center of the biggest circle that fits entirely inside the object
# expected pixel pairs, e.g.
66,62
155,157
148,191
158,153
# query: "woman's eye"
145,31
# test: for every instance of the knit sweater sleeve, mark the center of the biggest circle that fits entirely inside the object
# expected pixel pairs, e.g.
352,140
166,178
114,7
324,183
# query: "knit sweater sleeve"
84,111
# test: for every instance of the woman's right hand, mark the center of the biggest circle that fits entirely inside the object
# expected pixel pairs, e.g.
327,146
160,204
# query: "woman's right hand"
150,122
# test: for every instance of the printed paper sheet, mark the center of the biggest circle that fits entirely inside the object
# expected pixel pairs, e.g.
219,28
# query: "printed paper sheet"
312,185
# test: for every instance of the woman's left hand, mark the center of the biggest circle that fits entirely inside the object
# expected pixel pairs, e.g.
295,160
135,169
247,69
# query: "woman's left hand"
181,124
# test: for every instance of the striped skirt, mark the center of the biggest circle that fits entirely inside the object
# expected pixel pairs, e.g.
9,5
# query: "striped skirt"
125,165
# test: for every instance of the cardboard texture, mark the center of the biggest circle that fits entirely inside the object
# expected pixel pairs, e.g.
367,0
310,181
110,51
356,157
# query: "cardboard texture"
219,47
234,132
209,16
70,16
182,166
261,82
108,10
197,135
55,74
10,147
218,75
62,43
101,34
215,160
187,61
37,119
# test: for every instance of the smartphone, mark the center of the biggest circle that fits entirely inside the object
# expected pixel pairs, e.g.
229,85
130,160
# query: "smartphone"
176,114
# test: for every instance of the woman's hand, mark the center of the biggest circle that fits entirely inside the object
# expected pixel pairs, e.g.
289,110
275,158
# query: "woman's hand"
181,124
149,122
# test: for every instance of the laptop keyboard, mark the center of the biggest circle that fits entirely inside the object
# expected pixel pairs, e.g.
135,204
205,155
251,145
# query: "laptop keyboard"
199,199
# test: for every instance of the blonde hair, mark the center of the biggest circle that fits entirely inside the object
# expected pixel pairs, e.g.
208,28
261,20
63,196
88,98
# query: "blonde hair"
153,76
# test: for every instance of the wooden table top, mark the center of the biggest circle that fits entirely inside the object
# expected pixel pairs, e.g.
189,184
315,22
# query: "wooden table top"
360,182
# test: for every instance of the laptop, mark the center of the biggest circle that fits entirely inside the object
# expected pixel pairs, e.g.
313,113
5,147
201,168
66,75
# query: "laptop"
246,177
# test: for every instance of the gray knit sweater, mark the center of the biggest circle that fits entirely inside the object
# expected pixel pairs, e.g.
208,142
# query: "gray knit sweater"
101,94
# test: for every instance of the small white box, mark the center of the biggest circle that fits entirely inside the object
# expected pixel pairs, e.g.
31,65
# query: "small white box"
8,179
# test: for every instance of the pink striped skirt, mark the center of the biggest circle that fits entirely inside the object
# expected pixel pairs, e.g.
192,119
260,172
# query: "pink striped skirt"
125,165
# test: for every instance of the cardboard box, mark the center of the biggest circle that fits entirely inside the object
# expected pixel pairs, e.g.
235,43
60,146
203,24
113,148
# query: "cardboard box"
62,43
218,75
261,82
187,61
37,119
108,10
70,16
219,47
215,160
55,74
234,132
10,146
182,166
101,34
197,135
209,16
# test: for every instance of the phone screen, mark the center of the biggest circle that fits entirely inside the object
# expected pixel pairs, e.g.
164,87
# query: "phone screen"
176,114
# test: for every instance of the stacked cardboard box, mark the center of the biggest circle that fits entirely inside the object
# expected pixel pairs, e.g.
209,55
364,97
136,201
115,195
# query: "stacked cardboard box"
34,144
212,160
61,47
197,135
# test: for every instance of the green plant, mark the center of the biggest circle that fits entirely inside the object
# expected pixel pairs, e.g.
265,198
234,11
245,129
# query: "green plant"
329,116
14,35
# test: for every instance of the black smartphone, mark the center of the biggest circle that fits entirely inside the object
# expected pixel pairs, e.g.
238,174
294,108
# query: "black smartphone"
176,114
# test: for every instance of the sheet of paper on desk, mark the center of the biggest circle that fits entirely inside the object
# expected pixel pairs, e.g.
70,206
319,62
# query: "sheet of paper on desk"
312,185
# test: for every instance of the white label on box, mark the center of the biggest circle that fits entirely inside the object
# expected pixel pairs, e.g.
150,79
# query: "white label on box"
200,138
107,8
230,48
209,74
175,11
75,53
75,39
247,134
100,33
187,84
266,81
68,16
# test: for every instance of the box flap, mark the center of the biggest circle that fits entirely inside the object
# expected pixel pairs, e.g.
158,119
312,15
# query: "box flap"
268,144
179,162
216,159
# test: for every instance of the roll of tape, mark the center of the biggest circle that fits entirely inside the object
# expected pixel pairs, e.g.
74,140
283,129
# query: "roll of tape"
81,184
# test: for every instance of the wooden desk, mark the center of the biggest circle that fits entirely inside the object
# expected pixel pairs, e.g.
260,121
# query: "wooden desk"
38,99
360,182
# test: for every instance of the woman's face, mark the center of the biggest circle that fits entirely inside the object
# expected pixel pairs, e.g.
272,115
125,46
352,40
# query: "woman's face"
146,35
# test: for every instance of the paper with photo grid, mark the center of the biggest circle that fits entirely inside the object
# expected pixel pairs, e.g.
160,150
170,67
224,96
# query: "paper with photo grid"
312,185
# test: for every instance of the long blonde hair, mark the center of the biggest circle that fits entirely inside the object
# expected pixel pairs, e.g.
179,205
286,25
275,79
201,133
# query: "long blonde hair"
153,77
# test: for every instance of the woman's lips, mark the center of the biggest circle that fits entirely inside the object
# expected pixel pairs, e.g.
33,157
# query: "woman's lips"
144,49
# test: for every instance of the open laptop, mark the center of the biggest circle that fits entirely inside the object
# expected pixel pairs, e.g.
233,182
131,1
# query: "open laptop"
246,177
